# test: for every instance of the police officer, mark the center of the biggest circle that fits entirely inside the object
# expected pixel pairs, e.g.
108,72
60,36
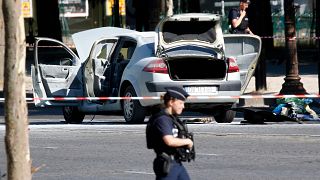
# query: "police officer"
238,19
162,136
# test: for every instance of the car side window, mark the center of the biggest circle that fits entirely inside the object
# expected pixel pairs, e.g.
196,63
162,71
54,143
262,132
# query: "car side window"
102,50
53,53
126,51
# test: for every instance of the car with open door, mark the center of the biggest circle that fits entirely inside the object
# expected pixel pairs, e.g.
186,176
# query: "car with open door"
185,50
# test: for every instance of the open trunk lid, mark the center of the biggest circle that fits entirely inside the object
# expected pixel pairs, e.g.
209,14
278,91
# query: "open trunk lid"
185,30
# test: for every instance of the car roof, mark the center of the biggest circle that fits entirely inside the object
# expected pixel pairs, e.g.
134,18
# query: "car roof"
85,39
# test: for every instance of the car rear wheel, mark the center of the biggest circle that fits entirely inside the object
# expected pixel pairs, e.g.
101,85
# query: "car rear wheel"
225,116
133,112
72,115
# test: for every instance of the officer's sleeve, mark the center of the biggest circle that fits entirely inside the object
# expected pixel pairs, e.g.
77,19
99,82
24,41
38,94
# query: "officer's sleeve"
164,126
233,14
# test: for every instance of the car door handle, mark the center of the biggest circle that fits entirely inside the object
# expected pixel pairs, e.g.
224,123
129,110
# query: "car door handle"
49,76
65,69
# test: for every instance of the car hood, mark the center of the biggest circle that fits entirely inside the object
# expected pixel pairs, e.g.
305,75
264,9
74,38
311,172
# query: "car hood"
85,39
191,29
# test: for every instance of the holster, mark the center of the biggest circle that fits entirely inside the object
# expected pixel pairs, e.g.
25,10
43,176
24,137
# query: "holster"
162,164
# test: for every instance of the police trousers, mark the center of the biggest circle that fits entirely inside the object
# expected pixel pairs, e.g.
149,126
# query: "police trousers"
176,171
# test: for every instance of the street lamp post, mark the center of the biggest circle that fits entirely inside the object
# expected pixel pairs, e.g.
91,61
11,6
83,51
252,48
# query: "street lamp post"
292,84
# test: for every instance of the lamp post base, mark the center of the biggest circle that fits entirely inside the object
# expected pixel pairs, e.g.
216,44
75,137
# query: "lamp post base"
292,87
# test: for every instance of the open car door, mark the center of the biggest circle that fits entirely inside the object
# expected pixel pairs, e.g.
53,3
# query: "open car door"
56,72
97,81
246,49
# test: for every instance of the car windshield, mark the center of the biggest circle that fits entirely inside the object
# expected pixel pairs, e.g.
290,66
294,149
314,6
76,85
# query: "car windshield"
189,30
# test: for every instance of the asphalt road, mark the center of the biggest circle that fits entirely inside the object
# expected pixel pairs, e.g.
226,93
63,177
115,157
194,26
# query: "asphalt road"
104,147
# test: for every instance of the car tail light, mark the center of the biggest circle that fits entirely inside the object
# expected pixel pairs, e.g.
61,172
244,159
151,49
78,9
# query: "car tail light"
232,65
156,66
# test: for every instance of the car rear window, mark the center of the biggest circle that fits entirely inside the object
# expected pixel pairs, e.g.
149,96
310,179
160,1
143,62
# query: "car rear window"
189,30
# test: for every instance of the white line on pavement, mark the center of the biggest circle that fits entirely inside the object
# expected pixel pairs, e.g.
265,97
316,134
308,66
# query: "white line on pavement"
138,172
206,154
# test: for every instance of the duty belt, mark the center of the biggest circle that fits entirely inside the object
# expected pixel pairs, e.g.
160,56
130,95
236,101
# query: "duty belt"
171,156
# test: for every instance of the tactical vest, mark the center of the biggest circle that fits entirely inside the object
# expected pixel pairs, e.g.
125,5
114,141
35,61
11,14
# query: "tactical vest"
182,153
149,129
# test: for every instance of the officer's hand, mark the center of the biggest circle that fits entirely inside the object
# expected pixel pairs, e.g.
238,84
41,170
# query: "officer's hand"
243,13
190,143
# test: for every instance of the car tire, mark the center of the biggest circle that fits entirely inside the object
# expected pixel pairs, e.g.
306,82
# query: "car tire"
133,112
225,116
72,115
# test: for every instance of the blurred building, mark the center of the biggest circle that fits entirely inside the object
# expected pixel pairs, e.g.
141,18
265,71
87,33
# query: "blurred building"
79,15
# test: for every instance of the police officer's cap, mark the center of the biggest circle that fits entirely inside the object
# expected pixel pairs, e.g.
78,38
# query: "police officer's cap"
177,92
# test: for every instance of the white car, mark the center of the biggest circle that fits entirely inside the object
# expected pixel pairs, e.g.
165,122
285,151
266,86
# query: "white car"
186,50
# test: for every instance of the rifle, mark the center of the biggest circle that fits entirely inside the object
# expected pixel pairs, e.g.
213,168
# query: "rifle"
184,153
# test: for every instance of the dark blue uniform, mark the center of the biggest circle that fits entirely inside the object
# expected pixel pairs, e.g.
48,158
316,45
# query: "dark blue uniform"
159,125
235,14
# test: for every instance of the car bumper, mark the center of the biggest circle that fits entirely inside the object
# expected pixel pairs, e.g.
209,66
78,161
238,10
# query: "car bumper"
222,87
227,92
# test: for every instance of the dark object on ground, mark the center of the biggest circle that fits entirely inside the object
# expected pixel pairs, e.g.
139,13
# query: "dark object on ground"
262,115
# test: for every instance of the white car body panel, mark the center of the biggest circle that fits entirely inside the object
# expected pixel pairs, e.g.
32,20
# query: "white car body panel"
244,48
84,40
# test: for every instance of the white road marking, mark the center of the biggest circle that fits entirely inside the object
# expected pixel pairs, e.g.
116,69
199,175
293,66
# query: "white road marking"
50,147
138,172
206,154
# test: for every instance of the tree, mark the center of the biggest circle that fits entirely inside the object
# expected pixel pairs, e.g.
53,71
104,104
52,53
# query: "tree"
143,9
16,138
116,13
318,39
318,22
48,19
261,25
193,6
1,44
154,12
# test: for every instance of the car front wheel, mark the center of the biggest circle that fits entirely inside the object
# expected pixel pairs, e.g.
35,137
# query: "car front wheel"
72,115
133,112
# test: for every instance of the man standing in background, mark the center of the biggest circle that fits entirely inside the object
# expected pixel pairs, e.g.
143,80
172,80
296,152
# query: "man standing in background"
238,19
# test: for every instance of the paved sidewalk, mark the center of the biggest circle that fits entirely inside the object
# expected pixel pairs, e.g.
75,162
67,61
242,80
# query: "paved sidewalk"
308,73
274,84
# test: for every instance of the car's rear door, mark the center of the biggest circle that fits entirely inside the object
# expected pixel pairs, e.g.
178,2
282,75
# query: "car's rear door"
246,49
56,72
